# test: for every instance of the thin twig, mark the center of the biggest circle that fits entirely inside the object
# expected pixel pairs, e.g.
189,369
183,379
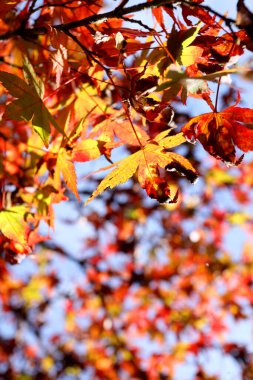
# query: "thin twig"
139,22
217,96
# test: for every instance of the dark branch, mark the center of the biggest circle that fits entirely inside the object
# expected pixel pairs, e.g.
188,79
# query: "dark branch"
139,22
116,13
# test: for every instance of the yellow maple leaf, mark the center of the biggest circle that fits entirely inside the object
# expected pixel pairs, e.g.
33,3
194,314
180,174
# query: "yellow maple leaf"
13,224
149,160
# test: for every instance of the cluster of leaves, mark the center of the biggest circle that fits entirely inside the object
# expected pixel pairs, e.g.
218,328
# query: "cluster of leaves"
74,92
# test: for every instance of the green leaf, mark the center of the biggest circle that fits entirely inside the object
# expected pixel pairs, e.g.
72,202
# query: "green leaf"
28,105
31,107
174,77
12,223
32,79
179,77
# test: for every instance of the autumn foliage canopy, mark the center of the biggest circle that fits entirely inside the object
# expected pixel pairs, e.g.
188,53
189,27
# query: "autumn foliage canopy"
153,93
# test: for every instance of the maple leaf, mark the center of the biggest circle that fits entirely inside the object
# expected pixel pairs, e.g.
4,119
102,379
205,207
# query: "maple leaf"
200,13
59,57
178,45
108,127
179,82
12,223
65,167
158,14
86,150
148,160
225,44
28,105
220,132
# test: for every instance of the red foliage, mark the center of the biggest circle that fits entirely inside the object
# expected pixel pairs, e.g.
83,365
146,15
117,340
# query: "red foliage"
78,81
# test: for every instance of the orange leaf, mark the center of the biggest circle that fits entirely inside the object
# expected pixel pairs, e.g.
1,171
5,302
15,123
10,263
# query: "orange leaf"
65,167
107,126
86,150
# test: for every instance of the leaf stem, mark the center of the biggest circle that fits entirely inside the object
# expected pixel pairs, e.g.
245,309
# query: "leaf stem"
217,96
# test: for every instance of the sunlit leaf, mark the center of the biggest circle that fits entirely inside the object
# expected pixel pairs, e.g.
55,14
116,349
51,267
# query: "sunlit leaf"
86,150
28,105
13,224
148,160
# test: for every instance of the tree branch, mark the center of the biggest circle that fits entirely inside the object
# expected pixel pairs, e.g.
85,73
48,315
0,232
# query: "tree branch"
116,13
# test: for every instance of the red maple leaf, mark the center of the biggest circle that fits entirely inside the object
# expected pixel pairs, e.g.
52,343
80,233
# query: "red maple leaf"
220,132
